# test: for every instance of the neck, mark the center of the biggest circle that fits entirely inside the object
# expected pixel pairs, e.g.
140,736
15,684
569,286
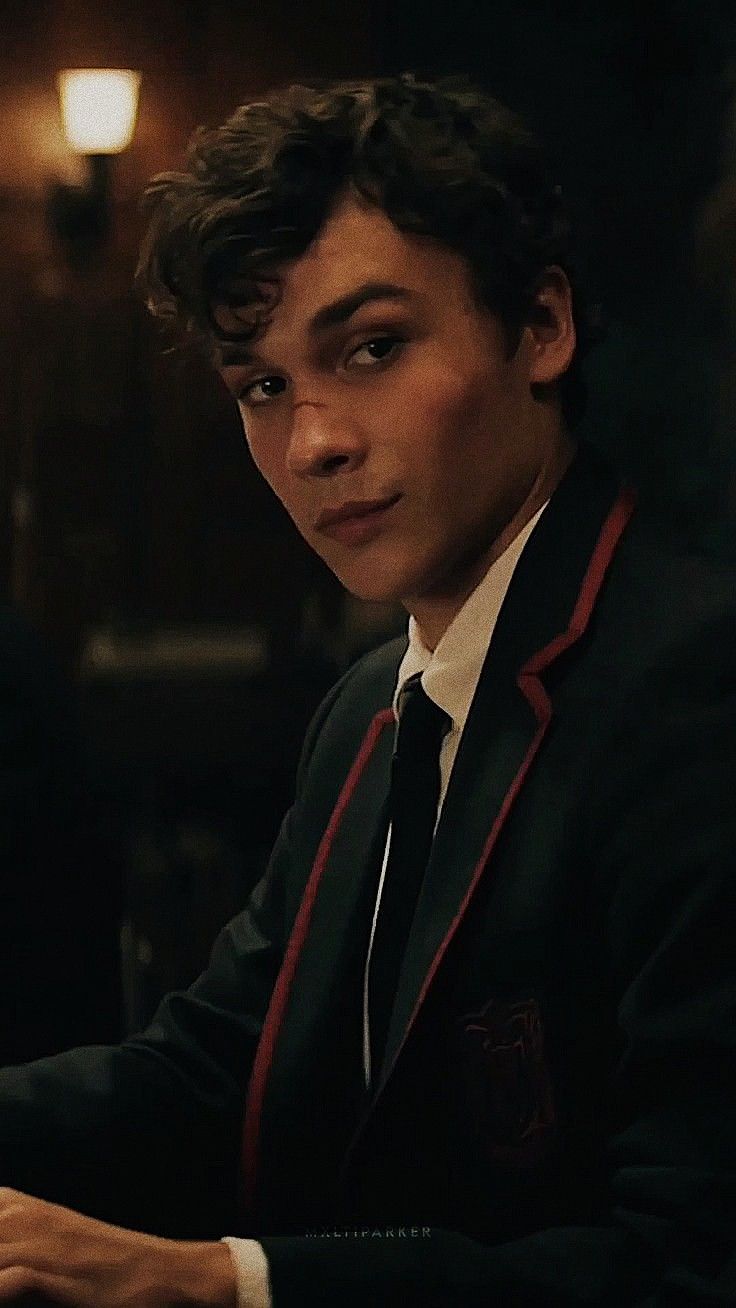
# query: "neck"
434,612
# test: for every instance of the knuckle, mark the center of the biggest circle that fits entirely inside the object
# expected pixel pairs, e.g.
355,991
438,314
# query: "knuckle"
17,1280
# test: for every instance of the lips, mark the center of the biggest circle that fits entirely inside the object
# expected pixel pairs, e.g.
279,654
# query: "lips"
356,522
353,511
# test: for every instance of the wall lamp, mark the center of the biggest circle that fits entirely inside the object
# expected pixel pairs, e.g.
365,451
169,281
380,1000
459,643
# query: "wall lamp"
99,107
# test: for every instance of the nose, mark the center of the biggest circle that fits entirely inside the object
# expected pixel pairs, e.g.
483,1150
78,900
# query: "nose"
321,443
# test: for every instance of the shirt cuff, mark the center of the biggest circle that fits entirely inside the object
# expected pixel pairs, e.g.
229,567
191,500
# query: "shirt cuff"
251,1272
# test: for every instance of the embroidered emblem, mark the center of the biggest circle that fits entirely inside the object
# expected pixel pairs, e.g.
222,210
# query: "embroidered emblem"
508,1085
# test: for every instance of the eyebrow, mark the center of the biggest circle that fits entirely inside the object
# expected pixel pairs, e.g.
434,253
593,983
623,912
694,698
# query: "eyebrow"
331,315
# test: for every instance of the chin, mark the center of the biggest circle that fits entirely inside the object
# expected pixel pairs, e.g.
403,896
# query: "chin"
375,586
372,593
382,573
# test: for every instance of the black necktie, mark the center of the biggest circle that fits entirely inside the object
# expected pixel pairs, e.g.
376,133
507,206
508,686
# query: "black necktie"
414,795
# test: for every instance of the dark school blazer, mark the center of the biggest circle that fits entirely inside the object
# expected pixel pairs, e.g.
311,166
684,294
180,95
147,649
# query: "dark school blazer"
554,1122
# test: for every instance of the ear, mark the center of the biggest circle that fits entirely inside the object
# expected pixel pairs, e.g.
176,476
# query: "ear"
550,331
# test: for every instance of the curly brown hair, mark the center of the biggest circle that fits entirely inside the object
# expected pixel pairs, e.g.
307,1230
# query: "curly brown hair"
441,158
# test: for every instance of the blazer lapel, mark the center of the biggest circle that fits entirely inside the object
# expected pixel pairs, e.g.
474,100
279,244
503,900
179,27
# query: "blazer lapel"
305,1026
344,880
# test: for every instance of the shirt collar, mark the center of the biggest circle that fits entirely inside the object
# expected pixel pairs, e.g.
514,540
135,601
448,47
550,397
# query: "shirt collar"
451,673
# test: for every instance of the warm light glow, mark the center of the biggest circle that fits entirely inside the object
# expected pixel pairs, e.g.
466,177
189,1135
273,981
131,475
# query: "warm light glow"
98,108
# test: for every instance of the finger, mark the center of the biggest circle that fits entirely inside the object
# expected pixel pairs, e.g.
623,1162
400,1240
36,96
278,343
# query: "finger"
12,1204
41,1249
46,1287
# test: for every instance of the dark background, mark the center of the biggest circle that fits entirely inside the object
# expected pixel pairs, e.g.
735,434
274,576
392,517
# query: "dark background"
141,559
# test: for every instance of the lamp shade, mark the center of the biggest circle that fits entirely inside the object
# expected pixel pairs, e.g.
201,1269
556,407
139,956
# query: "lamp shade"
98,108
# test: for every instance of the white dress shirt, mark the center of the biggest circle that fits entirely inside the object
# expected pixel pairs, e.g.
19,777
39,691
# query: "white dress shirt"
450,675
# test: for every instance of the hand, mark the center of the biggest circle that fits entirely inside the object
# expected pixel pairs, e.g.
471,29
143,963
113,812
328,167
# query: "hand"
65,1258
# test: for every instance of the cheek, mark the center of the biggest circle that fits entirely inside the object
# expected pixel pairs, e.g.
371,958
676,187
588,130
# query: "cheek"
265,457
289,492
445,392
452,420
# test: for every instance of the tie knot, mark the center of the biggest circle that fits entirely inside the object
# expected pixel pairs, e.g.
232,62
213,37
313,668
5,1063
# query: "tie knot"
420,719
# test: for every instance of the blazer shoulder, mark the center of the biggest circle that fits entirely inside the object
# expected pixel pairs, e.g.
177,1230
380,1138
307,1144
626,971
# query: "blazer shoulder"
666,592
663,629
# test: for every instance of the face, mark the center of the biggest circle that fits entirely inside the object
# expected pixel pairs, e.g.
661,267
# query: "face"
382,410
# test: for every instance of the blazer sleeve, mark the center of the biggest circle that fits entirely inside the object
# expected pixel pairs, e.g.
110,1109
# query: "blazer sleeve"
661,835
147,1133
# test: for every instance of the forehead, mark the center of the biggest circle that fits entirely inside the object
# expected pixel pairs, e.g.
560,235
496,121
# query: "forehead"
359,242
361,230
358,246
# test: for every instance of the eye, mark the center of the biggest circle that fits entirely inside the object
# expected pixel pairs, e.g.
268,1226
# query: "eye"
246,395
382,346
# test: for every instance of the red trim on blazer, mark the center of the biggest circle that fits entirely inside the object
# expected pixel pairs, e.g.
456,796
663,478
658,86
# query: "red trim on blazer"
536,695
280,997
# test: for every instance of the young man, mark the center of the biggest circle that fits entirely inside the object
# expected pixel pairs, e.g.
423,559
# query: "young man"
532,1101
